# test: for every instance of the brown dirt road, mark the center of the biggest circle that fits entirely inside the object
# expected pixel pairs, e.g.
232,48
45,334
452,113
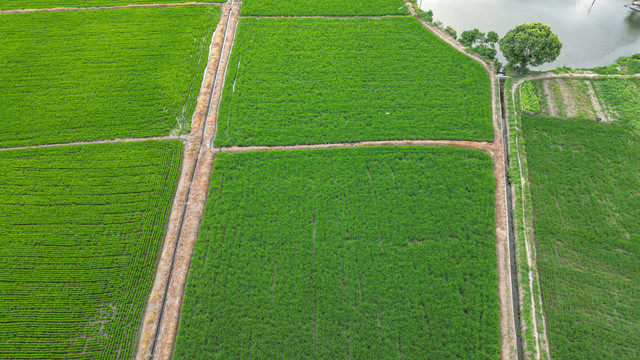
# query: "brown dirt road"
482,146
160,321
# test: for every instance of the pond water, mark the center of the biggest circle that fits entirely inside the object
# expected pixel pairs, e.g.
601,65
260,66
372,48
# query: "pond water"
592,32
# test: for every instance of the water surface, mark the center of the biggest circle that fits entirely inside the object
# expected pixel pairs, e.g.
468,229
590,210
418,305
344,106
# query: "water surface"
593,33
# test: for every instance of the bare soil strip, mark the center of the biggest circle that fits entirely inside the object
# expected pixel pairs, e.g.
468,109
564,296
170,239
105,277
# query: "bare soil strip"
482,146
20,11
108,141
568,99
162,314
553,108
595,103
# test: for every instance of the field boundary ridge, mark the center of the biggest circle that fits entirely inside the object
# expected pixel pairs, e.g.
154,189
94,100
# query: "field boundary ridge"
106,141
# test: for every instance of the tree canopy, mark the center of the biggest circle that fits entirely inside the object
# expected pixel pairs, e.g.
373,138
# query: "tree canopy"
530,44
486,43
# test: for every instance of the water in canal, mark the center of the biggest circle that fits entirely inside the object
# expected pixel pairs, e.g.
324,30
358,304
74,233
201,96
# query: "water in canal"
593,32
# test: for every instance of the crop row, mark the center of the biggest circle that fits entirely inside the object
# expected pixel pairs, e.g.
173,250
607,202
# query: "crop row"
382,252
90,75
81,227
293,81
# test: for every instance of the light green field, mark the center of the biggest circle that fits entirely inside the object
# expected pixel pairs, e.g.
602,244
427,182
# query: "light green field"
81,227
101,74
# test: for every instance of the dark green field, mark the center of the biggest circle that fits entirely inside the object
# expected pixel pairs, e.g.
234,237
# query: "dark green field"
363,253
309,81
585,183
80,227
101,74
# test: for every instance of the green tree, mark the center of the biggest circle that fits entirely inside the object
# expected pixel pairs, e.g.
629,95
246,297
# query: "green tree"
491,39
469,37
530,44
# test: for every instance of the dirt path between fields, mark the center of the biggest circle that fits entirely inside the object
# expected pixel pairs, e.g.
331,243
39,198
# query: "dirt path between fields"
21,11
487,147
162,314
106,141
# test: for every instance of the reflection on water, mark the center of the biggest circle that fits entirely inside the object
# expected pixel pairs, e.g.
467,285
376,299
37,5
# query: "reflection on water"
593,32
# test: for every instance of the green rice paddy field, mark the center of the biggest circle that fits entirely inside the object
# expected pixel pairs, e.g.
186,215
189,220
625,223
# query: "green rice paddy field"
103,74
309,81
585,181
81,228
44,4
329,8
383,252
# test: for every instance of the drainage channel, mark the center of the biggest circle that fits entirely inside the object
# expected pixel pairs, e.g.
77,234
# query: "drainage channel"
515,294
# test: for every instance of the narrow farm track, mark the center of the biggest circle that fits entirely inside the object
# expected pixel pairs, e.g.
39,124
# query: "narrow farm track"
108,141
541,338
489,148
20,11
162,314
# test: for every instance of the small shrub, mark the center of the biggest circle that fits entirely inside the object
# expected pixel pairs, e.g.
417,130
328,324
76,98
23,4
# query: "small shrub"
451,31
529,98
